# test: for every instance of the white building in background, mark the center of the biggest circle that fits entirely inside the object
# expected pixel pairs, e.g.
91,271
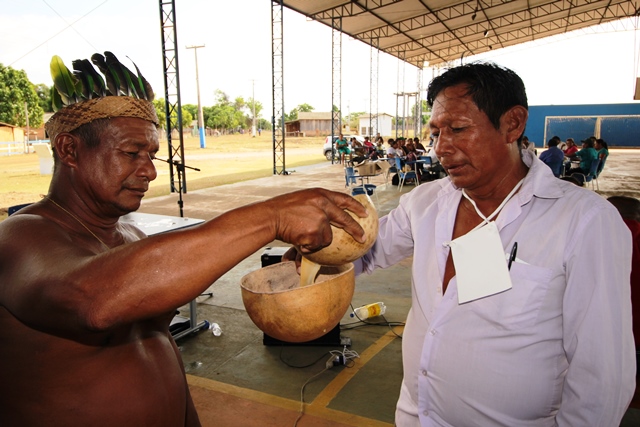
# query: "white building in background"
384,125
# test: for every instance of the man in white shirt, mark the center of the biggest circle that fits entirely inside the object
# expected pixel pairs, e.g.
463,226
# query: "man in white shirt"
391,149
521,312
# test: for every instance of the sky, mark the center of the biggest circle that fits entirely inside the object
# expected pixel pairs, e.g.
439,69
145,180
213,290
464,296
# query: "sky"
580,68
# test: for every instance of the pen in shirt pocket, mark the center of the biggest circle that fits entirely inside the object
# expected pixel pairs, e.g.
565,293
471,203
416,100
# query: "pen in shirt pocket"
512,255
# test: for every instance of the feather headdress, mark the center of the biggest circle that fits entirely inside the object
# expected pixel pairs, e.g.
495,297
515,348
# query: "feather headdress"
84,95
86,83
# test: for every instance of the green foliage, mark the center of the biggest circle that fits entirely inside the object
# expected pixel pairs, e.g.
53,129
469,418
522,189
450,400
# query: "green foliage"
15,90
425,109
263,124
44,97
305,108
192,109
159,105
302,108
353,118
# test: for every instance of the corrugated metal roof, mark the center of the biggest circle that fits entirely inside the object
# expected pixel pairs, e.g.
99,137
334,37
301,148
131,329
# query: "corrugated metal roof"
314,116
439,31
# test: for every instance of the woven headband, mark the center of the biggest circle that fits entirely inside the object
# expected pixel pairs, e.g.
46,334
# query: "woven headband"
75,115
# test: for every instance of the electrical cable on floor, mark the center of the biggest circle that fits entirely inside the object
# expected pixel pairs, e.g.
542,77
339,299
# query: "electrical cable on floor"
343,357
362,323
323,355
326,368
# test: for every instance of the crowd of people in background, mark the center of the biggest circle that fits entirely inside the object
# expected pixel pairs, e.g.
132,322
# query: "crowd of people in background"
569,162
566,160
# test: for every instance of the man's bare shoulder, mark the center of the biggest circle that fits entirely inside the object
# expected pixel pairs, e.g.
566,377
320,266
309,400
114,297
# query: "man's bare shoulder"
30,226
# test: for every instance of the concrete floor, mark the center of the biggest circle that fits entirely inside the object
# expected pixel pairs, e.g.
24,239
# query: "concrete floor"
236,380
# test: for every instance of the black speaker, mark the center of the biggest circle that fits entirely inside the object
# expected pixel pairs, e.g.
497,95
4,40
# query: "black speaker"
332,338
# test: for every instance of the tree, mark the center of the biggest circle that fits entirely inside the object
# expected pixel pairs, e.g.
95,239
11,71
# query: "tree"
258,110
15,90
293,114
355,117
221,97
305,108
192,109
425,109
159,105
44,94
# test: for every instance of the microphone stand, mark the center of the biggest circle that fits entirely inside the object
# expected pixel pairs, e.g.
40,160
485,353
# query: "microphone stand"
192,325
180,167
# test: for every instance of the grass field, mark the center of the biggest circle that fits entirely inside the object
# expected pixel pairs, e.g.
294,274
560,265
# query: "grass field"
225,160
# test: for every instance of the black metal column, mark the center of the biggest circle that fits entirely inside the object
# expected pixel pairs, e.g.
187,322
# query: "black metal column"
277,84
173,106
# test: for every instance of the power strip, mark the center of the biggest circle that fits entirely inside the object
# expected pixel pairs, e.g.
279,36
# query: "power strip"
337,360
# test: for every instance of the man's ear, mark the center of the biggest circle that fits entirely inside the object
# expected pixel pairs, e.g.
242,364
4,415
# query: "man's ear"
66,146
514,122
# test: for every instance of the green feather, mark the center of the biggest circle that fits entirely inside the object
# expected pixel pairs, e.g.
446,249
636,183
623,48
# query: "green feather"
113,83
63,80
120,70
86,80
90,77
144,85
86,83
56,101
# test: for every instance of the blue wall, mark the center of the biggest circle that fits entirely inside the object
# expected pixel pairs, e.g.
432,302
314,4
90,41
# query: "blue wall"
616,131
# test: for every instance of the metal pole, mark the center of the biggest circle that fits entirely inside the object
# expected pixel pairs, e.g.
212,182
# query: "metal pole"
253,99
26,115
200,115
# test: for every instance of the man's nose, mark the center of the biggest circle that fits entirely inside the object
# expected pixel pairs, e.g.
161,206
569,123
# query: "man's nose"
148,169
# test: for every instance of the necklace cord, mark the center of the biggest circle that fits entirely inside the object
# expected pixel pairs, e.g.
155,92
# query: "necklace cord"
79,222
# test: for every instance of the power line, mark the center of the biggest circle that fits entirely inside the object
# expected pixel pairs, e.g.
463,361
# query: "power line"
61,31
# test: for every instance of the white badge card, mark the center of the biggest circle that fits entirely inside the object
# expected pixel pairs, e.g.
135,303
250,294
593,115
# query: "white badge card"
481,269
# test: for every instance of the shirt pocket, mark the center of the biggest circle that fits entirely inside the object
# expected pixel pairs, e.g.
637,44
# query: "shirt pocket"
519,306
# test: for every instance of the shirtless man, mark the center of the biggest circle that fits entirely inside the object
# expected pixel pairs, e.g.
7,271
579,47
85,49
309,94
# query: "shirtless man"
86,301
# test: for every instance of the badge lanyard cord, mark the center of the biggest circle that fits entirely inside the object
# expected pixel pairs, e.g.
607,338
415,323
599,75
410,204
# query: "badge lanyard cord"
486,219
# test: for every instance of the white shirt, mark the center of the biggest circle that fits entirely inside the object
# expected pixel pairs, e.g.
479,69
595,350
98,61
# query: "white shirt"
556,349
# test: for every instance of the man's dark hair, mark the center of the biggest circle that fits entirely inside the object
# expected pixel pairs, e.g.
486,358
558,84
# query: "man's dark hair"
589,142
553,142
91,133
494,89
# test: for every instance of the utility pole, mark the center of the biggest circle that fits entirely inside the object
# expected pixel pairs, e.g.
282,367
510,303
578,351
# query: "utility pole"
253,99
26,115
200,115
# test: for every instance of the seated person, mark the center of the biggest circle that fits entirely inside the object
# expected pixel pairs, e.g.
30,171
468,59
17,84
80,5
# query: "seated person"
358,149
587,155
571,148
411,155
380,146
392,151
343,149
436,170
553,157
418,144
602,148
368,145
